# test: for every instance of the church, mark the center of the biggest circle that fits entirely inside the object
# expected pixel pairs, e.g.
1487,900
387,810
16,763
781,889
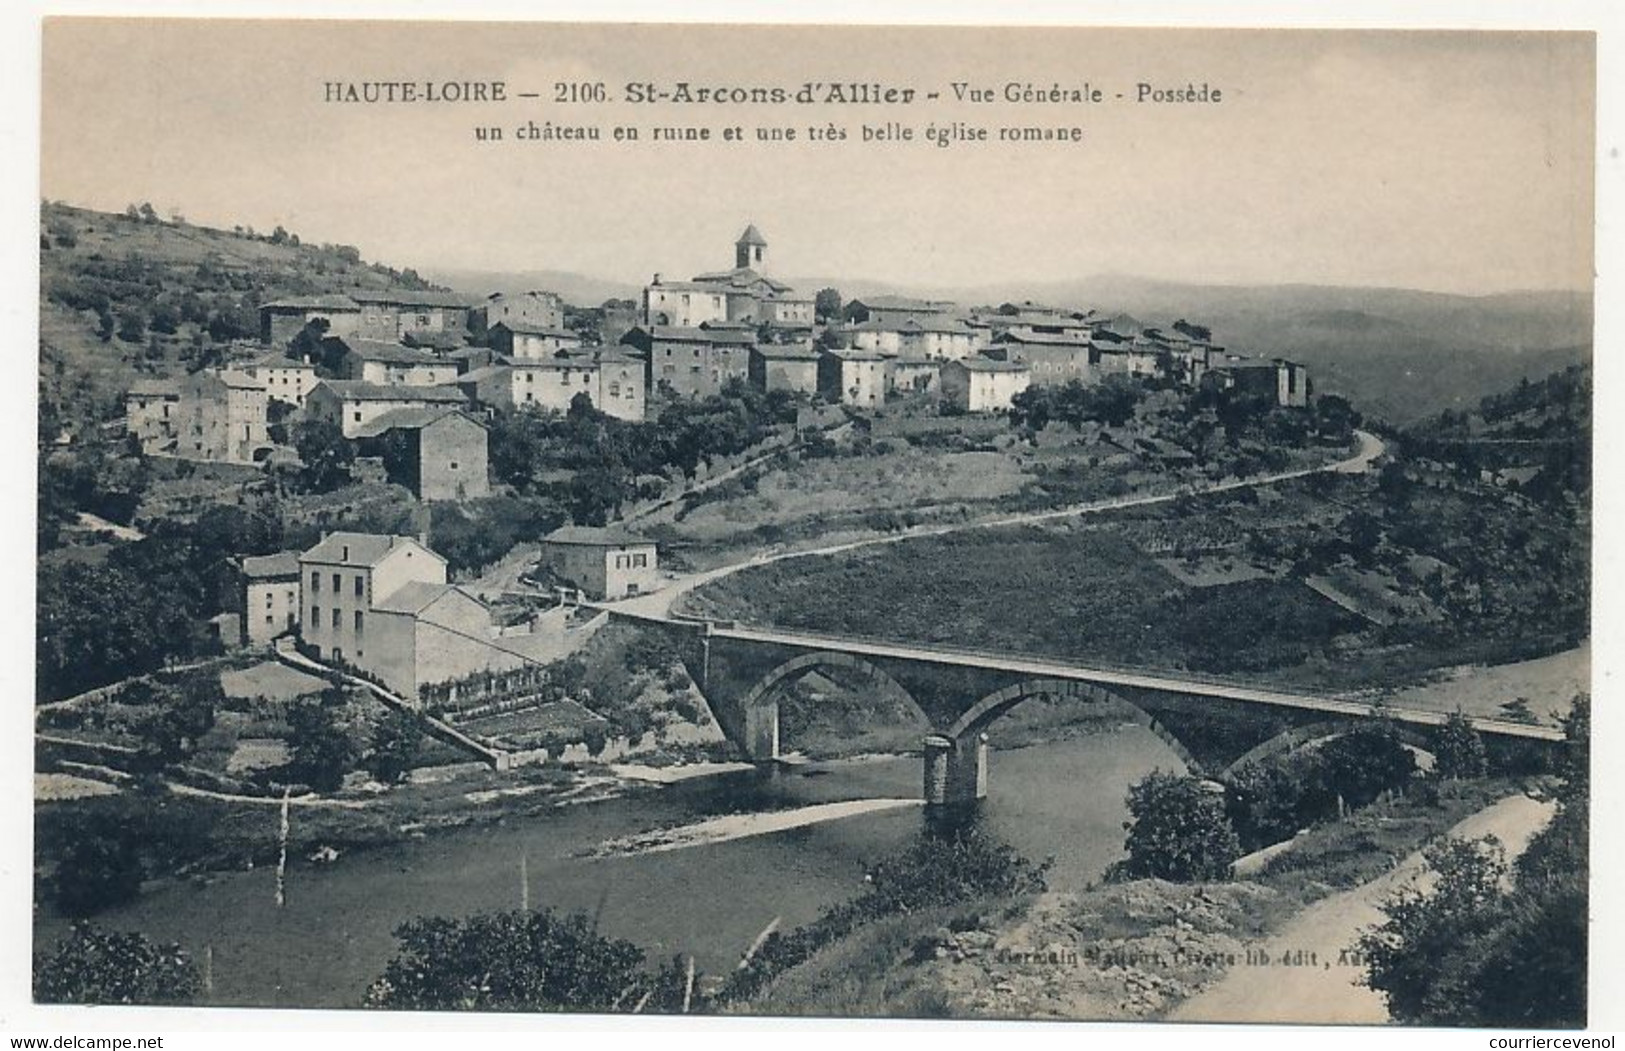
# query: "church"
743,295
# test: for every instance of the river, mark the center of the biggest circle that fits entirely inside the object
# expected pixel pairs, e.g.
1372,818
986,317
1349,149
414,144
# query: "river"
1061,799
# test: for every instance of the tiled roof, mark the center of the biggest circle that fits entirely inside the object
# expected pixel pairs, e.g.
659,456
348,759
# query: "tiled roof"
239,380
360,390
402,297
262,567
924,306
363,549
752,236
323,302
411,417
979,364
596,536
155,388
783,352
414,597
526,329
389,353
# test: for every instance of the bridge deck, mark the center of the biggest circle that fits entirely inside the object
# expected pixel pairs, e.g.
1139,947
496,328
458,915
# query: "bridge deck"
1039,667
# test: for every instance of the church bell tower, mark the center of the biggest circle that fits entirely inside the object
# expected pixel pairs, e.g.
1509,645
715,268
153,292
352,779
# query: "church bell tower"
751,249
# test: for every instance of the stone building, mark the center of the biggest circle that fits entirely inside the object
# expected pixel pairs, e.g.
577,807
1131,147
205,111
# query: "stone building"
606,563
981,384
268,595
852,377
437,451
784,367
350,404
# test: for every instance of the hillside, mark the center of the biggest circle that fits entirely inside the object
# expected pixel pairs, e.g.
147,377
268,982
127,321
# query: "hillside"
127,296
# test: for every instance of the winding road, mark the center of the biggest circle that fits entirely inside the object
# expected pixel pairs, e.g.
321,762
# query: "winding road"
659,605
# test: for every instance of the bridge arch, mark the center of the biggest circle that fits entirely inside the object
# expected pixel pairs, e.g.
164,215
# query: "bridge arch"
1288,741
987,710
760,707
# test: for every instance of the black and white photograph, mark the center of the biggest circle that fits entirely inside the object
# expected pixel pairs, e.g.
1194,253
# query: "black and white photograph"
1060,523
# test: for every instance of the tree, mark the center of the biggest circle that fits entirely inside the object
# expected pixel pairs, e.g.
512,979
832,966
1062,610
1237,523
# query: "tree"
1404,955
132,325
1366,762
827,304
397,741
97,872
520,961
326,453
1458,749
95,966
1179,830
323,749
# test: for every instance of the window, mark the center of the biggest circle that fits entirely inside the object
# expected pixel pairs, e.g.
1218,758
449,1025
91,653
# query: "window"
358,623
316,616
315,583
360,585
338,581
335,618
454,465
614,390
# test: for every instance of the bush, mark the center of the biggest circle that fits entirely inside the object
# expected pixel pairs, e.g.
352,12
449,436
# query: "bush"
520,961
97,872
93,966
1366,762
1179,831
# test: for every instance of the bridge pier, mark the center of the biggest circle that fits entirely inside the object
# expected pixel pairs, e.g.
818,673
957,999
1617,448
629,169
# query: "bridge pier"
762,732
955,770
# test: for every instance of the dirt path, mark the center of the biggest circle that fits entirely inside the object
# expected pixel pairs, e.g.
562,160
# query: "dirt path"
1325,992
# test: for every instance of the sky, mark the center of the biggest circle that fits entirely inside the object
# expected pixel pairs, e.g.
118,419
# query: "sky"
1457,162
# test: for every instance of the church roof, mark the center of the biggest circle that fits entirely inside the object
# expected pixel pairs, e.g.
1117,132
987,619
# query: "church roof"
752,236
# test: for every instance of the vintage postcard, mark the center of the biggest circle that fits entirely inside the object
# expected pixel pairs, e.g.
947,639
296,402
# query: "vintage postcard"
972,522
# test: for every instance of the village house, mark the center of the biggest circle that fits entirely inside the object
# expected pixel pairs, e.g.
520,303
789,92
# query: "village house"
1052,359
437,451
606,563
149,413
222,416
682,304
534,309
982,384
937,336
896,309
388,363
521,341
852,377
1124,355
692,362
382,604
286,379
778,367
391,314
350,404
1284,382
881,337
283,319
268,595
613,382
908,374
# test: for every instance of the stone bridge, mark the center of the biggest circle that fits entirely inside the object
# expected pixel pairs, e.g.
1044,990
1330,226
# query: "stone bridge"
1212,725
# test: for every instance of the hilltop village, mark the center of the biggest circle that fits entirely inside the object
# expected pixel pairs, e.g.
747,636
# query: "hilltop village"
412,381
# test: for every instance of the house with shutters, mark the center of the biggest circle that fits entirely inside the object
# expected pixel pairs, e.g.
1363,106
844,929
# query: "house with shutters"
351,404
383,604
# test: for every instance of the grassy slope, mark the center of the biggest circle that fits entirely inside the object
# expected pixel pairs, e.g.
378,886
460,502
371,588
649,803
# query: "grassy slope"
944,963
1085,594
90,375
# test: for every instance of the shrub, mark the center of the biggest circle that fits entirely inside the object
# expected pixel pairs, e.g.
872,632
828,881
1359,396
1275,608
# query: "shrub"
93,966
1179,831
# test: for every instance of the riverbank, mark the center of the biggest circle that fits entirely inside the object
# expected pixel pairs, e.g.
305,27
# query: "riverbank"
1130,951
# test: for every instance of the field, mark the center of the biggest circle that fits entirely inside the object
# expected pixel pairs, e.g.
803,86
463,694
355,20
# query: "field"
1081,592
